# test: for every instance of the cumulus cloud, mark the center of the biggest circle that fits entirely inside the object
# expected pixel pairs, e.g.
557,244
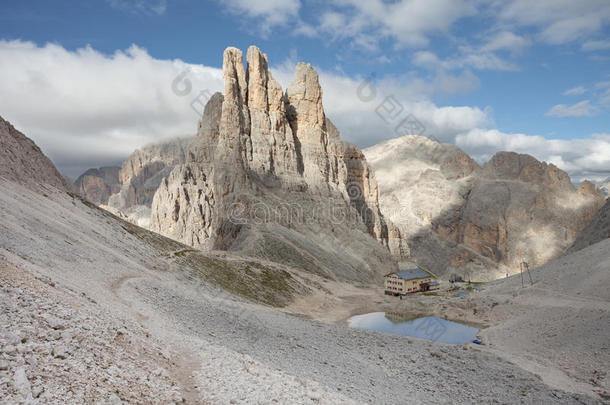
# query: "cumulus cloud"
506,41
581,109
558,21
149,7
409,23
86,109
270,13
598,45
467,57
584,158
358,106
575,91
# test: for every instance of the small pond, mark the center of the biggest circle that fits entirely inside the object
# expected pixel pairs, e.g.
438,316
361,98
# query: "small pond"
426,327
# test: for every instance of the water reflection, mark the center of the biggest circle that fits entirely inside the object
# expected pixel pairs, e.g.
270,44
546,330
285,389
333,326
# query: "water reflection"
426,327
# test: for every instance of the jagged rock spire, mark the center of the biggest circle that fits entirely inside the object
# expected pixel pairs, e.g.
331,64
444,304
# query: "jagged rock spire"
267,152
305,95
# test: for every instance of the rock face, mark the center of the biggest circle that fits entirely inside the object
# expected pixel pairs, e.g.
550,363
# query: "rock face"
477,222
128,191
604,185
97,185
597,230
23,162
267,175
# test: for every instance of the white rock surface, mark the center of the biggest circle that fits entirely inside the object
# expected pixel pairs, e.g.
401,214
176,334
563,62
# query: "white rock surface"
22,161
131,308
268,176
477,222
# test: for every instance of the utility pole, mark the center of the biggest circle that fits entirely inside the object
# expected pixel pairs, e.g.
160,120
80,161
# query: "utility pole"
527,267
521,271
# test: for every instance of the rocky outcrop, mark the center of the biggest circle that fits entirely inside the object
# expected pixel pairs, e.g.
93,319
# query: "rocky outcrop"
128,191
143,171
268,176
478,222
97,185
23,162
597,230
604,186
170,153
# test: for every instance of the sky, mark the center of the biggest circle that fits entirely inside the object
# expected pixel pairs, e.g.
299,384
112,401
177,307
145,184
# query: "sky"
91,81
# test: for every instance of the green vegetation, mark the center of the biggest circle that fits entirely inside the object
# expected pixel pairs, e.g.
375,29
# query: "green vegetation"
280,251
248,279
158,242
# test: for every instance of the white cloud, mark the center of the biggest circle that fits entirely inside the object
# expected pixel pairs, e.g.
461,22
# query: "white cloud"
581,109
409,23
353,105
88,109
558,21
85,108
481,57
598,45
587,158
575,91
506,41
270,13
157,7
468,57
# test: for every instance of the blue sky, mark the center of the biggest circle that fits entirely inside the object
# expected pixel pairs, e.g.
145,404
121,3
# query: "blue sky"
484,74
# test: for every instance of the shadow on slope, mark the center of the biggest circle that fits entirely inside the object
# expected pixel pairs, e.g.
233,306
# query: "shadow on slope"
82,244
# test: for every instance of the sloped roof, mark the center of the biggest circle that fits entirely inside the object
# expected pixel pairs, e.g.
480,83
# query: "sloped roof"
411,274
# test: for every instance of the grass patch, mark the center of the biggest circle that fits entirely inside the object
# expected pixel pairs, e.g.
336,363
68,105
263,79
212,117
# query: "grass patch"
434,294
159,242
248,279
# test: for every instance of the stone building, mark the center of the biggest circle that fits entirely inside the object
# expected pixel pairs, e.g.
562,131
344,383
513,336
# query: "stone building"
407,281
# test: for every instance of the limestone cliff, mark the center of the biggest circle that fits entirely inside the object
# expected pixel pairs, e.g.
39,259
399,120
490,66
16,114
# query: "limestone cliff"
97,185
268,176
128,191
604,185
23,162
478,222
597,230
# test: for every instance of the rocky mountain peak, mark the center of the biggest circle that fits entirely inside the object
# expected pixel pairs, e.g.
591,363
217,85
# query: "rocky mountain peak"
276,159
234,76
23,162
454,216
304,94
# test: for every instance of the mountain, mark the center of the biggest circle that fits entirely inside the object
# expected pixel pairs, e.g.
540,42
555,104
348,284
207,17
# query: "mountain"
269,176
23,162
597,230
141,176
604,185
128,191
97,310
479,222
97,185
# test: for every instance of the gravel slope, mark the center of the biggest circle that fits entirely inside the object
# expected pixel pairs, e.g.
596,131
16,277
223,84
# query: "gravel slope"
215,347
